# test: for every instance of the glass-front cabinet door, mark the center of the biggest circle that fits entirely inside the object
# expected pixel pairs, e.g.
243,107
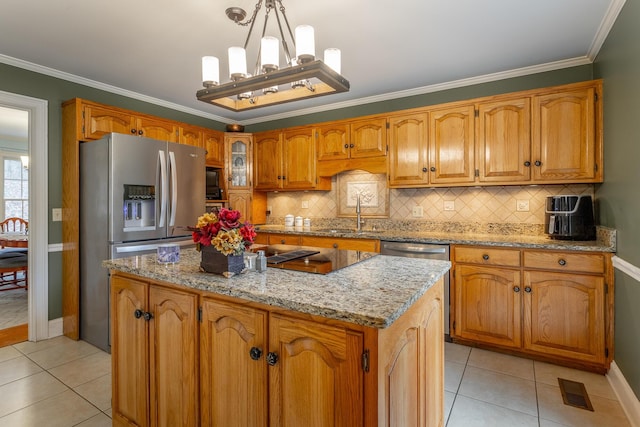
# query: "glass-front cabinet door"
238,157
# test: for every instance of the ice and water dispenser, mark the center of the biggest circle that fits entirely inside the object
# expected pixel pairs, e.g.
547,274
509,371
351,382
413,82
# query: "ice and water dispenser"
139,207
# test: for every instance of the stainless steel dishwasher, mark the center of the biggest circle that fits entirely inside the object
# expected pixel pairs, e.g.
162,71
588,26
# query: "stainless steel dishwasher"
425,251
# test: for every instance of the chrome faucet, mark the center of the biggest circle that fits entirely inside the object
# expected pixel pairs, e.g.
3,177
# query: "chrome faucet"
359,220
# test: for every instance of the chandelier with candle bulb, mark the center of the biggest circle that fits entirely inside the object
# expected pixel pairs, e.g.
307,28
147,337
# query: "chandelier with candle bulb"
303,77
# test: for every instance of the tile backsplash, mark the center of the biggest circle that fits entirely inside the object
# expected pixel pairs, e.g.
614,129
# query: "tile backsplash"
497,204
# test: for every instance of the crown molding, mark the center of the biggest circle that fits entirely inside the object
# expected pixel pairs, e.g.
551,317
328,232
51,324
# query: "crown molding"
605,26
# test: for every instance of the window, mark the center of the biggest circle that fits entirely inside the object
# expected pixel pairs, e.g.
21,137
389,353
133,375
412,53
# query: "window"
15,188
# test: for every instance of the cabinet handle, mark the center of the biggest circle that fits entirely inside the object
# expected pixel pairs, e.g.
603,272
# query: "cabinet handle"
424,169
272,358
485,257
282,241
138,313
516,289
527,163
133,131
229,179
335,246
433,168
147,316
284,177
346,145
527,289
538,163
279,177
255,353
562,262
140,132
351,145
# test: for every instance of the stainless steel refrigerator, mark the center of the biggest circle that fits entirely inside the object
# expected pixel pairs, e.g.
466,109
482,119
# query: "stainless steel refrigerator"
135,194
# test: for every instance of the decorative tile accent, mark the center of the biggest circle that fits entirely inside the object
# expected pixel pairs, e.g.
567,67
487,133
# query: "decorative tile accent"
374,202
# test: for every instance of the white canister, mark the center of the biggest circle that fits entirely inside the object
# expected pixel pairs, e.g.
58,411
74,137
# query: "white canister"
306,222
288,220
298,222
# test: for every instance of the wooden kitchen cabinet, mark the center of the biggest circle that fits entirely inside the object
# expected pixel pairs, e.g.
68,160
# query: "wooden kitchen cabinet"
352,139
408,150
555,305
251,204
99,121
451,145
566,135
190,135
213,142
233,372
154,354
366,245
287,161
504,140
283,239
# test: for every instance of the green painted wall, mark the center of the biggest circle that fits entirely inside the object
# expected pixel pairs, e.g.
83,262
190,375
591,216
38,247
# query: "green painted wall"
551,78
55,91
618,198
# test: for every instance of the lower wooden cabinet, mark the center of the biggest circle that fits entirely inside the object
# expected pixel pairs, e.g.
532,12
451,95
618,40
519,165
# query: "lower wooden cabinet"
262,366
154,355
553,304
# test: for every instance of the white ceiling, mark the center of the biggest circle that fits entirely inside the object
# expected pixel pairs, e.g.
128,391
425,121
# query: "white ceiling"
151,49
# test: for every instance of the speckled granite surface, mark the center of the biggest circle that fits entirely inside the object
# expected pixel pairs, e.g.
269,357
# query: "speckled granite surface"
606,238
374,292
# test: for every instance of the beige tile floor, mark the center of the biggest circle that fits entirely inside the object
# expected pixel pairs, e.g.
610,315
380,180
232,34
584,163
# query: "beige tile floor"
484,388
61,382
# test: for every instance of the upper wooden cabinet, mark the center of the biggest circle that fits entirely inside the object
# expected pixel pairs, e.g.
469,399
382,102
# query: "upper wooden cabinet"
451,145
503,130
352,139
190,135
286,161
213,142
408,150
565,141
239,157
99,121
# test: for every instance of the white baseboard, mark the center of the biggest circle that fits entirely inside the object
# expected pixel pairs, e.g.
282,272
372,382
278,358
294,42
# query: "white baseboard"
627,398
55,327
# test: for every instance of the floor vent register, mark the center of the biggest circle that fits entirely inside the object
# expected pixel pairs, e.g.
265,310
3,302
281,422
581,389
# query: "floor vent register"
574,394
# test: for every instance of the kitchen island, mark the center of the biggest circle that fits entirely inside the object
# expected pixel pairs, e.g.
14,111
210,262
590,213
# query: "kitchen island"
359,346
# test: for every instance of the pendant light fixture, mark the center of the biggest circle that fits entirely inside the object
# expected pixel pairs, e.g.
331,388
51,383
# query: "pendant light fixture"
304,76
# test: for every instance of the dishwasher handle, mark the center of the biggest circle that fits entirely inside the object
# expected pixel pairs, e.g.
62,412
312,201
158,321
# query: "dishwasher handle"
415,249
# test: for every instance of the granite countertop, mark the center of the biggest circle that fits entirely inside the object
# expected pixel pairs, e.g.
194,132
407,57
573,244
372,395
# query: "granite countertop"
374,292
605,240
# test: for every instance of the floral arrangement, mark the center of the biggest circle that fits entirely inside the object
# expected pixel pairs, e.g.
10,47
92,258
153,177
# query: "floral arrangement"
224,231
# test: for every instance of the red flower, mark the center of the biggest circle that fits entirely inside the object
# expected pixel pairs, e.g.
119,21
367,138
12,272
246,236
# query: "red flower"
248,234
229,218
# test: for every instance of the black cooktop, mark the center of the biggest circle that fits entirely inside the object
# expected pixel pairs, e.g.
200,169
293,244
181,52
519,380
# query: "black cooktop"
311,259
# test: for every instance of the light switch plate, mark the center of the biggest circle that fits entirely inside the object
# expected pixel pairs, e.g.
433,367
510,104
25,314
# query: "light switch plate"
56,214
305,204
417,212
449,205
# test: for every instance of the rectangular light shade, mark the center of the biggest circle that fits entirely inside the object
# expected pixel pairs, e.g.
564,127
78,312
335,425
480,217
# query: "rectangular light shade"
330,82
332,58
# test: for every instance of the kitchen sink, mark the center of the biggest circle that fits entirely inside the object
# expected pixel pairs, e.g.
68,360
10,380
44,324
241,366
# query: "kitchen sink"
347,231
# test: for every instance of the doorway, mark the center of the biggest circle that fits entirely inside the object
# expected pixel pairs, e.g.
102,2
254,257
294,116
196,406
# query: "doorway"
34,111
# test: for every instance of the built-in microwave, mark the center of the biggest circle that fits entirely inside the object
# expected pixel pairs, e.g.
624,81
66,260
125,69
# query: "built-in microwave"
214,191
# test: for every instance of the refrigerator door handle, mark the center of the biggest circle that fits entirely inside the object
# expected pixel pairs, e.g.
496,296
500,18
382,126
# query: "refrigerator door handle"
163,183
174,188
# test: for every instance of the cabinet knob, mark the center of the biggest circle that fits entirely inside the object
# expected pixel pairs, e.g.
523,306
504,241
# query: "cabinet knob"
433,168
147,316
562,262
255,353
279,177
335,246
346,145
140,132
284,177
527,289
282,241
424,169
138,313
538,163
516,289
272,358
351,145
527,163
485,257
133,131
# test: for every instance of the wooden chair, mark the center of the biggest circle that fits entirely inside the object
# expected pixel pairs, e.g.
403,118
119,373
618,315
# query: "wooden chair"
14,225
14,272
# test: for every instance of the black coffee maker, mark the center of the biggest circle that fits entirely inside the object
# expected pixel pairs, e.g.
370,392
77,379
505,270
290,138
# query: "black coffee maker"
570,218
